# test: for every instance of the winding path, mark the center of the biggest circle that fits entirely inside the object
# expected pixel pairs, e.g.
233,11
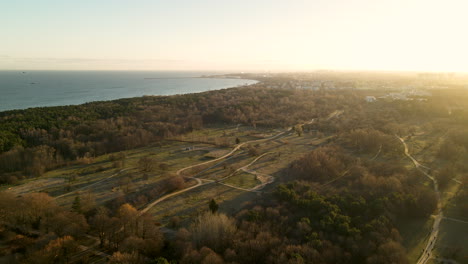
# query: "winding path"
427,252
149,206
200,181
244,168
231,152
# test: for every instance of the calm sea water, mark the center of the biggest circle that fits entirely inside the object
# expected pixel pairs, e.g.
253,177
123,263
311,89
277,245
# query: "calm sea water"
20,90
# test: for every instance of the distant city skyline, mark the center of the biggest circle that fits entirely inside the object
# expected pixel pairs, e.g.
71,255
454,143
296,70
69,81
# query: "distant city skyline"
255,35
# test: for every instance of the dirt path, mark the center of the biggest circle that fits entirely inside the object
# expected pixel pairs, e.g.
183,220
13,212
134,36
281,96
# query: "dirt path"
336,113
456,220
445,261
149,206
231,152
200,181
378,153
258,175
427,252
77,258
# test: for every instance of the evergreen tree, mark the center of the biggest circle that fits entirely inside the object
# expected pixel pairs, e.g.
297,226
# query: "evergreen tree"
213,206
76,206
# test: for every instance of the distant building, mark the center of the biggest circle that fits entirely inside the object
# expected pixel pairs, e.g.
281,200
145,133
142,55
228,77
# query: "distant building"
420,93
371,99
398,96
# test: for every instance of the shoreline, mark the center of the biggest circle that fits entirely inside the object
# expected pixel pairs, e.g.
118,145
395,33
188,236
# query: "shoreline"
147,95
127,93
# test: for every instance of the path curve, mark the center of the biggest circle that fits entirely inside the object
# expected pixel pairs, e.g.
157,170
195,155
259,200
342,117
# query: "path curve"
199,181
427,252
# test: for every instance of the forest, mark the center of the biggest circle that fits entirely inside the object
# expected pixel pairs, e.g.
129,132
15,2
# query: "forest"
35,140
340,203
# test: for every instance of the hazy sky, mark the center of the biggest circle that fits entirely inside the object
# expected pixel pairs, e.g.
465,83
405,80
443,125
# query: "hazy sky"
250,35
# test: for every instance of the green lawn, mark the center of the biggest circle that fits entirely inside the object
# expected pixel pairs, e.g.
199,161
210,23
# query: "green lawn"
452,241
242,180
415,234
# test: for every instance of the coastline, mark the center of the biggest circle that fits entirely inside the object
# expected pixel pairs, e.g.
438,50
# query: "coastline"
165,86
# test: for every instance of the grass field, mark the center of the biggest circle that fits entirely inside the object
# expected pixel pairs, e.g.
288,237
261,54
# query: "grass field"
102,180
415,234
452,241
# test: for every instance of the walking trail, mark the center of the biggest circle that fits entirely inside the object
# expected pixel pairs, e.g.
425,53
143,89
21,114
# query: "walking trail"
427,252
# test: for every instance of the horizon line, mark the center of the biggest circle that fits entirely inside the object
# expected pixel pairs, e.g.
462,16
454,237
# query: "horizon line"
243,71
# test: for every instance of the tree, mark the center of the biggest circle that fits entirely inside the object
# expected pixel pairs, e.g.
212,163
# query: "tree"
99,222
56,251
299,130
215,231
444,176
253,151
132,244
76,206
164,166
125,258
213,206
68,223
87,202
37,207
147,163
390,252
161,260
175,182
451,151
128,216
125,184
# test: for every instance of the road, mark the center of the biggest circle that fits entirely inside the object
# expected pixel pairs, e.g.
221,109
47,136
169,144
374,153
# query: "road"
427,252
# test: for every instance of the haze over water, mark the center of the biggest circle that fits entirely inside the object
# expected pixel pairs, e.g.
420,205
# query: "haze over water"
20,90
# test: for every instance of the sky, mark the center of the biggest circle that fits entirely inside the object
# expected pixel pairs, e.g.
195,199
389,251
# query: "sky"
240,35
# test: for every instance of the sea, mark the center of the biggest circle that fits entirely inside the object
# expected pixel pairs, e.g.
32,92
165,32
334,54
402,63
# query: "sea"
26,89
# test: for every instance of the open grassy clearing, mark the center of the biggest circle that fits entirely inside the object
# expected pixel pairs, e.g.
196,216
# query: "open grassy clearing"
243,180
225,136
453,235
188,205
414,233
452,241
449,201
78,176
104,180
220,169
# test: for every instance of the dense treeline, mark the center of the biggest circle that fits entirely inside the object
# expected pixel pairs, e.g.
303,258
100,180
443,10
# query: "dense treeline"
336,204
43,232
38,139
313,219
309,219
